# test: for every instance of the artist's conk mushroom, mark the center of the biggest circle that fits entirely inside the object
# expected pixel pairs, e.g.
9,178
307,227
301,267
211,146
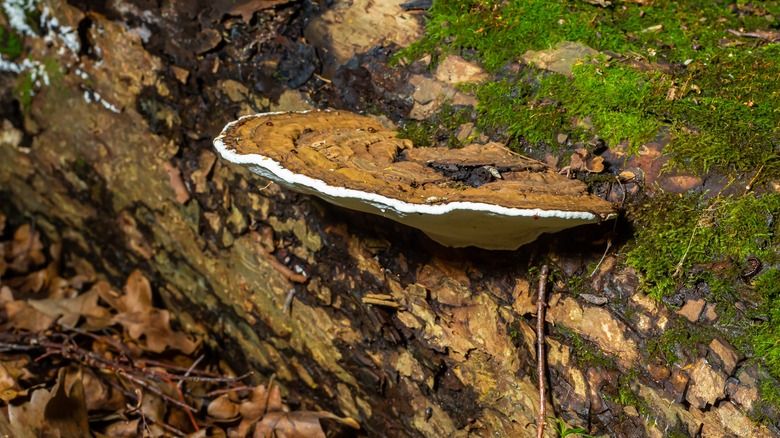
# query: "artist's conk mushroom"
480,195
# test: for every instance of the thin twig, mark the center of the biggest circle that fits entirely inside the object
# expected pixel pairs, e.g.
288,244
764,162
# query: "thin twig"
679,267
606,250
265,186
88,358
218,392
123,348
322,78
179,392
143,363
281,267
157,391
174,378
511,152
170,428
766,35
603,256
541,366
190,369
622,189
752,181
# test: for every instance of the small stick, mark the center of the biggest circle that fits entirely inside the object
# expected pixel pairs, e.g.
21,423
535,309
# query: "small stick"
750,184
606,250
603,256
157,391
205,379
281,267
144,363
228,390
541,302
189,371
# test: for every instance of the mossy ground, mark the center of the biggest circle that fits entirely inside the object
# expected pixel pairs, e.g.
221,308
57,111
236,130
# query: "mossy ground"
713,91
10,44
31,79
677,71
436,131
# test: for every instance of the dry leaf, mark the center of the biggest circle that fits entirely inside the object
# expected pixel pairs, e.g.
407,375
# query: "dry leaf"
30,283
141,319
25,317
275,420
100,396
289,425
59,412
252,409
153,407
208,432
68,311
25,250
9,378
6,295
127,429
222,408
582,160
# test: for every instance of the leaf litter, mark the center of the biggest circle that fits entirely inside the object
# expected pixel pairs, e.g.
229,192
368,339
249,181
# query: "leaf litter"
78,357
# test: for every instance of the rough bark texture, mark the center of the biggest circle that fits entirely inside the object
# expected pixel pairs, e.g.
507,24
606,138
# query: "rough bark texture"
443,347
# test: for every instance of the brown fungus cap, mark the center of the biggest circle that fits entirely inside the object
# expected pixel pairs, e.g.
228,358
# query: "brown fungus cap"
481,195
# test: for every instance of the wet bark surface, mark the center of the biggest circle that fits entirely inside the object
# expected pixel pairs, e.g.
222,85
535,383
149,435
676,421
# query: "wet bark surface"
353,313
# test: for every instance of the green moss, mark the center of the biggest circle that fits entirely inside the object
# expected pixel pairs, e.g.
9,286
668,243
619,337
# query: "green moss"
437,129
501,31
770,392
677,233
719,109
680,240
765,337
509,105
28,83
626,396
614,96
732,123
10,44
563,430
24,90
672,342
54,71
584,352
577,284
679,430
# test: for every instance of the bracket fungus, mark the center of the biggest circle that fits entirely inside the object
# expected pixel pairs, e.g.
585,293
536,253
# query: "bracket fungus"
481,195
